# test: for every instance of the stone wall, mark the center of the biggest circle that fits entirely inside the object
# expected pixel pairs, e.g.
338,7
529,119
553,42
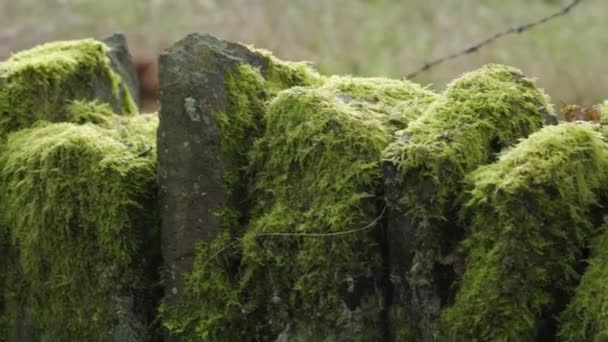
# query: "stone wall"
268,202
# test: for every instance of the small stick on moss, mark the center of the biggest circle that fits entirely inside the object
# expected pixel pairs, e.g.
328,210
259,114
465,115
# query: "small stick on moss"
234,242
474,48
351,231
144,152
216,254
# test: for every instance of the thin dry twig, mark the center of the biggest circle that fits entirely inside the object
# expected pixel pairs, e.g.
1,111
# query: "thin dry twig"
345,232
235,242
516,29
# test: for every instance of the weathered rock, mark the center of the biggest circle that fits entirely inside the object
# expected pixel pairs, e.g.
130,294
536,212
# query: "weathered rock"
193,74
122,63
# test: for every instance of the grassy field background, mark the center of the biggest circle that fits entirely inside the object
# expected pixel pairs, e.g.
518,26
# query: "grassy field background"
360,37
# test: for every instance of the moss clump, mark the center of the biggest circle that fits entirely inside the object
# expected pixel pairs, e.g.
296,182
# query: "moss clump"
319,174
283,74
313,169
38,84
530,215
95,112
479,114
398,101
79,201
586,316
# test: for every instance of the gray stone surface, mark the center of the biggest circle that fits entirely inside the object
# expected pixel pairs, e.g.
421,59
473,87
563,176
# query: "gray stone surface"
192,74
121,62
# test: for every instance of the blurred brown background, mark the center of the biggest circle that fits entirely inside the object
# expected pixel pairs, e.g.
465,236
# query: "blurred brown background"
361,37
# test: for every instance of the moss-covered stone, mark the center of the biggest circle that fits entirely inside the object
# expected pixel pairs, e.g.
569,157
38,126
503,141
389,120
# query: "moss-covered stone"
586,316
204,187
314,170
530,214
79,204
38,84
477,116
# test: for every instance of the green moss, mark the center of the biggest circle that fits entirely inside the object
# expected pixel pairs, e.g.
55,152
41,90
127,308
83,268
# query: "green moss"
95,112
284,74
241,124
586,316
479,114
313,168
399,102
79,203
320,174
530,215
38,84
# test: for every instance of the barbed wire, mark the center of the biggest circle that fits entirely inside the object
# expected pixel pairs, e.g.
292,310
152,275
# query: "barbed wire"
516,29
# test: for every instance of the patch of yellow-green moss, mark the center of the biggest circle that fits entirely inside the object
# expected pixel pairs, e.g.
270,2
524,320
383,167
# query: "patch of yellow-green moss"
79,201
319,174
586,316
39,84
284,74
477,116
529,216
310,165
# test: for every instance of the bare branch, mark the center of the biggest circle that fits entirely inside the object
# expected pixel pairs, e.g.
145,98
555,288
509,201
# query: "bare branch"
516,29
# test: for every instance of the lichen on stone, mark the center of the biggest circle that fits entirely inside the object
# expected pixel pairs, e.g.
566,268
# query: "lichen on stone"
38,84
529,216
79,204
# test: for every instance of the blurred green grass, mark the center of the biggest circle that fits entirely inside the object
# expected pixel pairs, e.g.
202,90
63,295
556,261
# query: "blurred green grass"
361,37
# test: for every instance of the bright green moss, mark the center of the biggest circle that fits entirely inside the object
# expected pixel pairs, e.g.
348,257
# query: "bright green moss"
530,215
95,112
399,102
79,201
241,124
319,174
39,83
283,74
314,168
586,317
479,114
